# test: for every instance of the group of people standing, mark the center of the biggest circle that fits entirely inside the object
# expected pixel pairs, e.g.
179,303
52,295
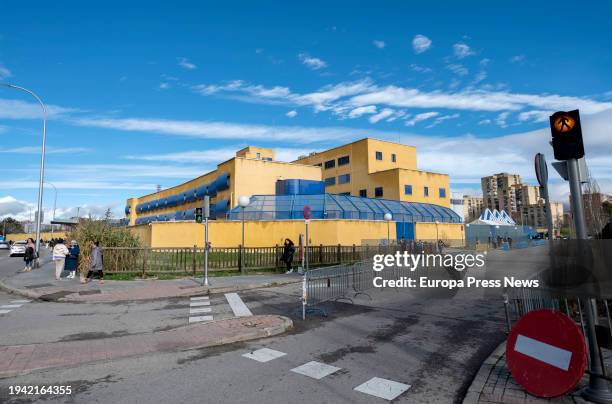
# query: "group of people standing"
66,259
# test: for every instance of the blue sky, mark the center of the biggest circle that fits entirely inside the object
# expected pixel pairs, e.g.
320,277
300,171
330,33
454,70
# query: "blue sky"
157,93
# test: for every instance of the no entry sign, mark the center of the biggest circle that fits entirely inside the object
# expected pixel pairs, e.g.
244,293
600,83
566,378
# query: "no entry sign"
307,212
546,353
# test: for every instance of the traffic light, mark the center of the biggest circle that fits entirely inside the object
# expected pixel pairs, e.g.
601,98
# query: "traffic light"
198,215
566,135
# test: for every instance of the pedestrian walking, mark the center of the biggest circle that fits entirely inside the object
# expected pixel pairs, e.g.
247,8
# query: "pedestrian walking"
288,253
59,257
72,260
96,263
29,256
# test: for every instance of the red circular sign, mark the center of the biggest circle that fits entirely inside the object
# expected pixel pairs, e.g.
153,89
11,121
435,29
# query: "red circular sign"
546,353
307,212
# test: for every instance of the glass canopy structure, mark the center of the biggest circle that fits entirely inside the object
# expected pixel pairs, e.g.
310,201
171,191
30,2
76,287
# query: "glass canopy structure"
332,206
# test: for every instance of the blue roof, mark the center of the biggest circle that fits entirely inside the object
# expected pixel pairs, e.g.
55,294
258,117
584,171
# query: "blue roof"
332,206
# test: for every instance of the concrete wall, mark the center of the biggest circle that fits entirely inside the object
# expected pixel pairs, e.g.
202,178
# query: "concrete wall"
43,236
445,231
261,233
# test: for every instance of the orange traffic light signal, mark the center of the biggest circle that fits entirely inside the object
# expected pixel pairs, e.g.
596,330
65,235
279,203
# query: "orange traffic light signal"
567,135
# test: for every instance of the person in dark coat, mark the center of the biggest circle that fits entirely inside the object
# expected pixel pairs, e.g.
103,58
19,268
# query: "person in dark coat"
29,256
288,252
72,260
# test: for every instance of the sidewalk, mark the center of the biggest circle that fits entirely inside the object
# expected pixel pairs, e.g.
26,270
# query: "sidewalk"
494,384
41,284
21,359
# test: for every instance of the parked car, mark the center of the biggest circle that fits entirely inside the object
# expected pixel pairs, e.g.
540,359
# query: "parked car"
18,248
4,245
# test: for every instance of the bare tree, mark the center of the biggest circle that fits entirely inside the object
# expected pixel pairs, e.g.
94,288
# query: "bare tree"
594,212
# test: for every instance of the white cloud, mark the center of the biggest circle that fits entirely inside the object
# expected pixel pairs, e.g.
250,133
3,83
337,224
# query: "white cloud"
517,59
23,210
212,156
536,116
186,64
10,206
291,114
484,122
357,112
312,62
379,44
4,72
164,86
421,117
482,75
420,43
458,69
48,150
17,109
462,50
441,119
501,119
420,69
385,113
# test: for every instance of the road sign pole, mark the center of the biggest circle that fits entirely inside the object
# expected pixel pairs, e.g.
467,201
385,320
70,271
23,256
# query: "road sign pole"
306,247
206,215
597,390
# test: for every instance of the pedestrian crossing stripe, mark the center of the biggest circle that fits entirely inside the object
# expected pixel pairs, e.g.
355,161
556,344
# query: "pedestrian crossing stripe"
197,319
316,370
199,298
264,355
200,310
198,304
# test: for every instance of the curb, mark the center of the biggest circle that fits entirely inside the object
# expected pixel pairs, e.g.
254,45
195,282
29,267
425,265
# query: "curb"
209,290
268,331
473,394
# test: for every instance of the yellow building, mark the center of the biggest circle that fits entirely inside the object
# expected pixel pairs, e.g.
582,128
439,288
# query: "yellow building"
379,169
252,171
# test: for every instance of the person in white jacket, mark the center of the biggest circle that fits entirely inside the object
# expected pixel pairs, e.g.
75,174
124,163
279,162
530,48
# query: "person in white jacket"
60,251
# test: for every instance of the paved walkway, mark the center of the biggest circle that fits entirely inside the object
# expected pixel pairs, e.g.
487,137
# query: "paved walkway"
20,359
494,384
41,284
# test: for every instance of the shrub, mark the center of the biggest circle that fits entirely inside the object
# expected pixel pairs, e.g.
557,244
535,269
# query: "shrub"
100,230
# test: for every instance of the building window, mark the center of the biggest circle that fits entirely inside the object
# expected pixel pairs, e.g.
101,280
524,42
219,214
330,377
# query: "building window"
363,193
344,179
330,181
442,192
344,160
407,189
378,155
393,158
258,156
426,191
330,164
378,192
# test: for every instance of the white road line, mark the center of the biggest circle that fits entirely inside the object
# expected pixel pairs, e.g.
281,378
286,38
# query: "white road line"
198,304
200,310
264,355
5,311
11,306
199,298
550,354
238,307
383,388
197,319
316,370
20,301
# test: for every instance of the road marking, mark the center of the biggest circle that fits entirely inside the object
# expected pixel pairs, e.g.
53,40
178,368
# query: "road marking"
5,311
11,306
199,298
198,304
264,355
238,307
316,370
550,354
20,301
383,388
200,310
197,319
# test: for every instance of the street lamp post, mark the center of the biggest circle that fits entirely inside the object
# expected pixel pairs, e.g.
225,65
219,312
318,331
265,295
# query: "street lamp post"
42,160
243,201
388,217
54,206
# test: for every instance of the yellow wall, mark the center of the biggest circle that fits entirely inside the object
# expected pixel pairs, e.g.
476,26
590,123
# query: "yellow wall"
368,173
247,177
262,233
43,236
449,232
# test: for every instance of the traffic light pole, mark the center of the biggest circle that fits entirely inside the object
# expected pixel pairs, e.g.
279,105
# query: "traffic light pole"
597,390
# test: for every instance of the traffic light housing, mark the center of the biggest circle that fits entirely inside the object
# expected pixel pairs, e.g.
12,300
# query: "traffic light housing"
566,135
198,215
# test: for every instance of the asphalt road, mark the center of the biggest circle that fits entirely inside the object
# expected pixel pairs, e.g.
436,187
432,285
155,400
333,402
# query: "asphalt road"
429,340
